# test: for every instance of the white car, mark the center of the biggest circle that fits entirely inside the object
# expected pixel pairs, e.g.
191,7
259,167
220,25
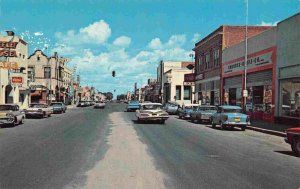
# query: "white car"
151,112
99,105
38,110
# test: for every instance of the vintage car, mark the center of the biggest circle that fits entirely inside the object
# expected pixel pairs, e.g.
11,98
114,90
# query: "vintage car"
38,110
203,113
293,138
186,110
230,116
151,112
99,104
171,107
58,107
10,114
133,105
81,104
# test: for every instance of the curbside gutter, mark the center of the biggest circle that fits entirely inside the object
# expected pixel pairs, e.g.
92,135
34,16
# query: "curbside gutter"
271,132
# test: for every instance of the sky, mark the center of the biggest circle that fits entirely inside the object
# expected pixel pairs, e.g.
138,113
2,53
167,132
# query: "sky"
128,36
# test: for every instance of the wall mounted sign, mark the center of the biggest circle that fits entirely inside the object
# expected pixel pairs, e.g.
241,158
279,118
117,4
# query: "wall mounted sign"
9,65
17,80
199,77
253,62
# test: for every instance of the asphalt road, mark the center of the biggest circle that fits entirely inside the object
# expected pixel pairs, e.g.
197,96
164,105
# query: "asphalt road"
87,148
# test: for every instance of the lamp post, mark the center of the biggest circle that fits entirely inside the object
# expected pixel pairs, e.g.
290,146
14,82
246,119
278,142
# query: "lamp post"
245,92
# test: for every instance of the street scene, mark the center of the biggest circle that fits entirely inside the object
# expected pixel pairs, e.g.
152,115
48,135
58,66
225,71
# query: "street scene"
149,94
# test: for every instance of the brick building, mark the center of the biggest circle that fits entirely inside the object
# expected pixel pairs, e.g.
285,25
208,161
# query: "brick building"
208,57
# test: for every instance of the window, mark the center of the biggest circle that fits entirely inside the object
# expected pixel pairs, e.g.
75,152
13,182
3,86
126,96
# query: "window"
47,73
200,62
178,92
216,57
187,93
38,58
207,58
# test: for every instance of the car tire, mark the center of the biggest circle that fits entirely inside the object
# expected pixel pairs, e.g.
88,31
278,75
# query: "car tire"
296,146
163,121
213,125
222,126
243,128
22,120
200,121
44,115
192,120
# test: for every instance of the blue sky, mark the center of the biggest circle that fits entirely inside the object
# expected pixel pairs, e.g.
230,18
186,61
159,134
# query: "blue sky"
129,36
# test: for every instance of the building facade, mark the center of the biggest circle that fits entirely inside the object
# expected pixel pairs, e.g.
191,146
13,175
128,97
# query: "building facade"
288,71
48,77
163,81
208,57
260,74
13,71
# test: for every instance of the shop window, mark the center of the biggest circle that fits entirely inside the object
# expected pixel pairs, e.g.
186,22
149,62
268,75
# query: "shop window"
178,92
290,98
21,98
187,93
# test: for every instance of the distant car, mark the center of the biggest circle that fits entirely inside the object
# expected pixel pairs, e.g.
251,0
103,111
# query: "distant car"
99,105
203,113
293,138
171,107
58,107
185,111
230,116
133,105
10,114
81,104
151,112
38,110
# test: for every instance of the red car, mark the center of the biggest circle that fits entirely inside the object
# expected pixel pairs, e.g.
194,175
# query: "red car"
293,138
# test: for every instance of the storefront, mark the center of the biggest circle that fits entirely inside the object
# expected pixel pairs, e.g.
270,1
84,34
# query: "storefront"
288,71
208,90
260,76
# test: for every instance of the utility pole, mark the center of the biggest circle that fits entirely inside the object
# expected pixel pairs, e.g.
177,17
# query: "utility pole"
245,92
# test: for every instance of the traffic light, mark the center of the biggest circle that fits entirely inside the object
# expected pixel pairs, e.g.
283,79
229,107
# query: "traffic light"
113,73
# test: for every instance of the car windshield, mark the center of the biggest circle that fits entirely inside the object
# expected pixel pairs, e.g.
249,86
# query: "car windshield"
190,107
56,104
37,105
232,110
133,102
151,107
207,108
5,107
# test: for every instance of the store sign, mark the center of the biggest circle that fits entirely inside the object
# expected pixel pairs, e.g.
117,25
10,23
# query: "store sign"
17,80
5,44
188,83
9,65
199,77
8,53
253,62
189,77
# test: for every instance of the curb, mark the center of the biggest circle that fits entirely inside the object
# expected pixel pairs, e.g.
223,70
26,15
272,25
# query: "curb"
271,132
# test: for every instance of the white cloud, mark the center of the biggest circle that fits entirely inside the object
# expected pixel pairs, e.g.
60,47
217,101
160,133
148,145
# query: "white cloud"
263,23
122,41
196,38
38,34
96,33
173,42
155,44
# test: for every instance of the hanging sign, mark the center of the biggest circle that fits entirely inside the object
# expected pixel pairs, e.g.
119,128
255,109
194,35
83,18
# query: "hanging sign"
9,65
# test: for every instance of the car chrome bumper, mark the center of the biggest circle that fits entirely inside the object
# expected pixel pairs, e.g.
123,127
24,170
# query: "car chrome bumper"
154,118
236,123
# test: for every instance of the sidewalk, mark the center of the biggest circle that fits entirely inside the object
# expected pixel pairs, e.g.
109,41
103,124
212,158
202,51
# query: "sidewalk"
72,106
269,128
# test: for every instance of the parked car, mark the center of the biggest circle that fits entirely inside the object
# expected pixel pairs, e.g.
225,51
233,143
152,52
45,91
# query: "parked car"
185,111
133,105
293,138
81,104
10,114
230,116
99,105
58,107
38,110
151,112
203,113
171,107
